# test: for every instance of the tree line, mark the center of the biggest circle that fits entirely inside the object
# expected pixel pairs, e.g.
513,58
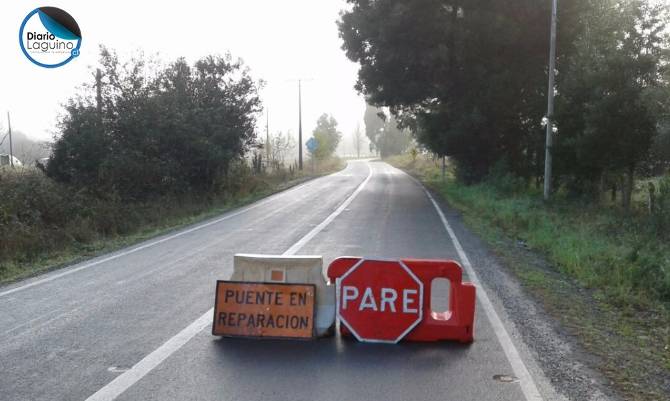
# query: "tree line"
469,78
142,129
386,138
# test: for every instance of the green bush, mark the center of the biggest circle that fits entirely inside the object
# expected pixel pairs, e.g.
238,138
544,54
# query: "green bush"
505,182
42,220
172,132
661,209
38,215
619,254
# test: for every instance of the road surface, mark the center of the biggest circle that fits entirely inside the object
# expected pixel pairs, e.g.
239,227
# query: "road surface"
134,325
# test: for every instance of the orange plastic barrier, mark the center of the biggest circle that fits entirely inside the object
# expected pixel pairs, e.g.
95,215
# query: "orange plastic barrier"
457,323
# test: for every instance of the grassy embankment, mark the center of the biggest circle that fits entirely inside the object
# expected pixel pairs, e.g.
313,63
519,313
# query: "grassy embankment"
606,278
45,225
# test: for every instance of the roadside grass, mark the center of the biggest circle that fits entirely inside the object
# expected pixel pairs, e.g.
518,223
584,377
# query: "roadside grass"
606,278
37,244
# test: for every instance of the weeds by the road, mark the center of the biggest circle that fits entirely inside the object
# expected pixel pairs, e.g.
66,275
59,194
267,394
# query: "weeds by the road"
621,263
623,256
44,224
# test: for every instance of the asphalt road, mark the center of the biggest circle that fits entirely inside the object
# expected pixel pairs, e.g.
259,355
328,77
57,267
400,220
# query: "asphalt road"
69,334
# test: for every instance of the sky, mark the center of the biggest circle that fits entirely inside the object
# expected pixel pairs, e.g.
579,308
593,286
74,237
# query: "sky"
279,41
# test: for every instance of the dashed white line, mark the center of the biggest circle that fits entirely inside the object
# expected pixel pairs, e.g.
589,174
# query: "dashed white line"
120,384
150,244
296,247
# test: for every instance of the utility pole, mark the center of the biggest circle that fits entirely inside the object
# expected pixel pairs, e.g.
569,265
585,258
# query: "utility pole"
98,92
550,102
444,166
11,150
267,135
300,119
299,124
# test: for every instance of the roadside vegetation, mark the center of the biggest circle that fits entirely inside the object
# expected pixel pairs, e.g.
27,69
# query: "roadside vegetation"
469,81
46,225
144,148
624,256
607,276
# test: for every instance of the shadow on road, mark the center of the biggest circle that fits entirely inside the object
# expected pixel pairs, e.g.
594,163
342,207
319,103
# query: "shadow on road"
337,350
280,369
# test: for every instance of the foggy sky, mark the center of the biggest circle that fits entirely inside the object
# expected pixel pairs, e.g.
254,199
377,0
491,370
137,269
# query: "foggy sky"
279,40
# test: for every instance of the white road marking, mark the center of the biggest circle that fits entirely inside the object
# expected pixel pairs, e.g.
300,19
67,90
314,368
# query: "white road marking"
150,244
164,268
528,386
175,263
116,369
41,323
304,240
120,384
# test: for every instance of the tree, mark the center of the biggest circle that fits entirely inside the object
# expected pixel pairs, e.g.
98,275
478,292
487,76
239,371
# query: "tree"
327,136
470,81
466,79
384,134
358,140
613,96
660,150
155,130
280,146
659,96
80,151
373,126
394,140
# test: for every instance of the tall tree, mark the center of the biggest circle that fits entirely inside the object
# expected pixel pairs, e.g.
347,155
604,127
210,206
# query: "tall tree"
373,125
465,79
327,136
384,134
358,140
613,95
470,80
163,129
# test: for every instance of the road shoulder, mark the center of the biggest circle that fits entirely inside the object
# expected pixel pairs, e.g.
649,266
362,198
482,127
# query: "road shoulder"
87,252
547,309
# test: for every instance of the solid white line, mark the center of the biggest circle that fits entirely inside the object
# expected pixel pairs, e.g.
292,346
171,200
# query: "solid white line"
296,247
528,386
150,244
119,385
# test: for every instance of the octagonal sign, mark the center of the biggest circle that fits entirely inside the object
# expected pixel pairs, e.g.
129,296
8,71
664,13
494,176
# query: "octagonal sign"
379,300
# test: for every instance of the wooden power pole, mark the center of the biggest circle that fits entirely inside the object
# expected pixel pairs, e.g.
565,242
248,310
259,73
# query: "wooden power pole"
11,149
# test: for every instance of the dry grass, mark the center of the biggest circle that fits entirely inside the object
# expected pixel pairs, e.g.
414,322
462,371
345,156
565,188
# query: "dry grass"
44,224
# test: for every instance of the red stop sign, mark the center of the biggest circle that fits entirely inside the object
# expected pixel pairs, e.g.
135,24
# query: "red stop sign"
379,300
